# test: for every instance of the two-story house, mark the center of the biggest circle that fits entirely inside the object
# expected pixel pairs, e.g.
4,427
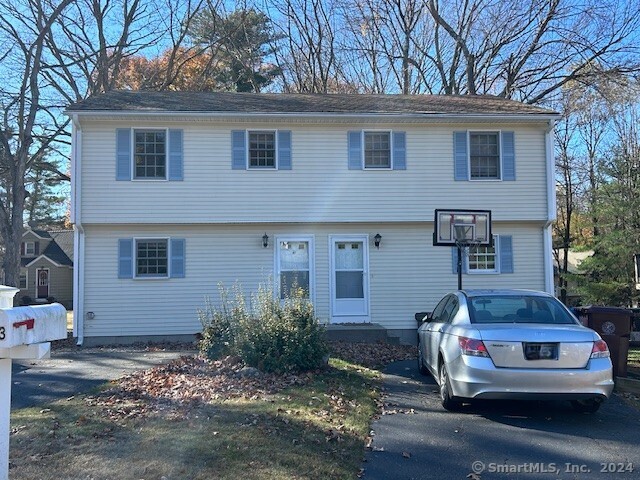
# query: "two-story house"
46,272
174,192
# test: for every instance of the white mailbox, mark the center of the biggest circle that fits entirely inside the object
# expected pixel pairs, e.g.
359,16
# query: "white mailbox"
31,325
25,332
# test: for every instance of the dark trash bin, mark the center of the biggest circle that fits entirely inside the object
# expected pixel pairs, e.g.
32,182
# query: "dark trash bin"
614,326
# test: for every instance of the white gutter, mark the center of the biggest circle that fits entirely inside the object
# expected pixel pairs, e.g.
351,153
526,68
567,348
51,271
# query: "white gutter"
551,208
78,230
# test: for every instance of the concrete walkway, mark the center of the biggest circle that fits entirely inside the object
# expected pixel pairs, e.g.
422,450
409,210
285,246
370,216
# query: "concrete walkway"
68,373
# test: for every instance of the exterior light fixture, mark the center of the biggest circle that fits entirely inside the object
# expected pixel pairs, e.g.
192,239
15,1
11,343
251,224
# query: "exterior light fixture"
265,240
376,240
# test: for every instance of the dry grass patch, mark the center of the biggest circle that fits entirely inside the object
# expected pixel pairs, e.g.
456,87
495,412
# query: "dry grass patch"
311,426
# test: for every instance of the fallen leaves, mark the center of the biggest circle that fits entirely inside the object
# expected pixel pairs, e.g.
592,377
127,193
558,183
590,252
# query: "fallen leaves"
192,381
372,354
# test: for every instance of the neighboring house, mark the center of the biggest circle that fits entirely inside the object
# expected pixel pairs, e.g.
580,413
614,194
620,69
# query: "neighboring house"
574,259
175,192
46,272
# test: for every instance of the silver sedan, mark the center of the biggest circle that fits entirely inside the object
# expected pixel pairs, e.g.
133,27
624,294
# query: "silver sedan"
512,344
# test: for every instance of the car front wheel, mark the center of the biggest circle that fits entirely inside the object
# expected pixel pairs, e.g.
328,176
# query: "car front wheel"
446,397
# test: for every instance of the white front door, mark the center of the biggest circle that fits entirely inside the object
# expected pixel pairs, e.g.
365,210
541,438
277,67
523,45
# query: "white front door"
349,278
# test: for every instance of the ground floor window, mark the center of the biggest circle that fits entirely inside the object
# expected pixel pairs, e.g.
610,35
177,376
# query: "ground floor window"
294,261
483,258
152,258
23,280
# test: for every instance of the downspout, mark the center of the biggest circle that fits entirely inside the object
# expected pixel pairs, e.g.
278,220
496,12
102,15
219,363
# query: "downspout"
551,208
78,230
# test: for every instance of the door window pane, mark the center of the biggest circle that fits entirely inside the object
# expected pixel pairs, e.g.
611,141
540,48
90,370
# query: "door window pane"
349,285
349,256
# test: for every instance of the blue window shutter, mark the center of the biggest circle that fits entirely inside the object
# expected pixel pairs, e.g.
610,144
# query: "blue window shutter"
506,253
454,261
399,151
125,258
175,155
284,149
355,150
508,156
123,154
178,257
460,157
238,150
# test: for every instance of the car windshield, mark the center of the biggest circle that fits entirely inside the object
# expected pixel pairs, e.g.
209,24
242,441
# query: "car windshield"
518,309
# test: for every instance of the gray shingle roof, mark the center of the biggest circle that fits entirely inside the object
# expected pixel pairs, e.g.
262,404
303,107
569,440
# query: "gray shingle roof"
226,102
64,239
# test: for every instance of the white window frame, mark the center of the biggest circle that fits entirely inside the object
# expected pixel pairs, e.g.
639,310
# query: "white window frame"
492,271
310,239
248,148
500,156
26,248
135,258
133,155
363,136
26,279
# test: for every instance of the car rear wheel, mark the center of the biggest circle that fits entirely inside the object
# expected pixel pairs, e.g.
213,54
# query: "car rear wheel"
423,370
586,406
446,397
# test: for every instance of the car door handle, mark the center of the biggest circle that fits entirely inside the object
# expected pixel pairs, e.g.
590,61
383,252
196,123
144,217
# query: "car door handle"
441,329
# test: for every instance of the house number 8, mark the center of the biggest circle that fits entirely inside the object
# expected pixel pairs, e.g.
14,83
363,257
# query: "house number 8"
2,333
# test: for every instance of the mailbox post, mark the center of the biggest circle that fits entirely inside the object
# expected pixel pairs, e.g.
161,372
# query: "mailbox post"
25,332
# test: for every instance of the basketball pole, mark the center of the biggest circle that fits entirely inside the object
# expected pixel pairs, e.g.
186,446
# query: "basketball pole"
459,246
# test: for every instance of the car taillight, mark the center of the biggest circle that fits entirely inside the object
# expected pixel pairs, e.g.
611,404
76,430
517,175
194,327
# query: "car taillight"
472,347
600,349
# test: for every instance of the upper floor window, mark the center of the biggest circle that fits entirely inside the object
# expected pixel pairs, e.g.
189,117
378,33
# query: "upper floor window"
29,248
152,258
484,155
377,150
262,149
150,157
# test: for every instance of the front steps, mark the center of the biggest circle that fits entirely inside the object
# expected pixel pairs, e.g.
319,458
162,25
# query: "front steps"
360,333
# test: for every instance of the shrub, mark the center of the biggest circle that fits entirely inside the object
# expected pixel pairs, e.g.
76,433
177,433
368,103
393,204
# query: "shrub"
270,335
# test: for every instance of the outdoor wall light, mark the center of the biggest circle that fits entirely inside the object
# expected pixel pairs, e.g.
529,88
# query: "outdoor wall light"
376,240
265,240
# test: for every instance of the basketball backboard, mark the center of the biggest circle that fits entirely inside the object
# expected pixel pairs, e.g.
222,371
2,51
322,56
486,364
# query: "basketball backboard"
464,227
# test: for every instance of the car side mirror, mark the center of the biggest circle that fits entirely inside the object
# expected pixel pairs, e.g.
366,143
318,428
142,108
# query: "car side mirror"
422,317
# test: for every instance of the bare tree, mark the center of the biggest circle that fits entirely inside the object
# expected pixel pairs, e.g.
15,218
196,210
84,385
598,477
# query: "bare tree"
391,39
23,134
307,53
529,50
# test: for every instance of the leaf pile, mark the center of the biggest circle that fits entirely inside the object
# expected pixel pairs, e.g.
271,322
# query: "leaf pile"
191,381
187,383
372,355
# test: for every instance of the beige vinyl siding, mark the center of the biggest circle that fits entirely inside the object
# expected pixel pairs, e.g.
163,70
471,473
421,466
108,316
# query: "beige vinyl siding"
407,274
319,188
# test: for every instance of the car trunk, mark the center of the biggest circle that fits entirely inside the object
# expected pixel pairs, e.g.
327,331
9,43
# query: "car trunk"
537,346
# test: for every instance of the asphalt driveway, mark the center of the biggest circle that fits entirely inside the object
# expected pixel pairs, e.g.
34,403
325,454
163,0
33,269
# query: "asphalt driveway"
418,439
67,373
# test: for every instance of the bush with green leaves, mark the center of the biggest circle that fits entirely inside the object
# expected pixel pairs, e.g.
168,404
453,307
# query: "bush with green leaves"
269,334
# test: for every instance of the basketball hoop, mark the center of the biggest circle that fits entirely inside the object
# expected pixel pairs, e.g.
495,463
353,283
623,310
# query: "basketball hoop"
466,230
